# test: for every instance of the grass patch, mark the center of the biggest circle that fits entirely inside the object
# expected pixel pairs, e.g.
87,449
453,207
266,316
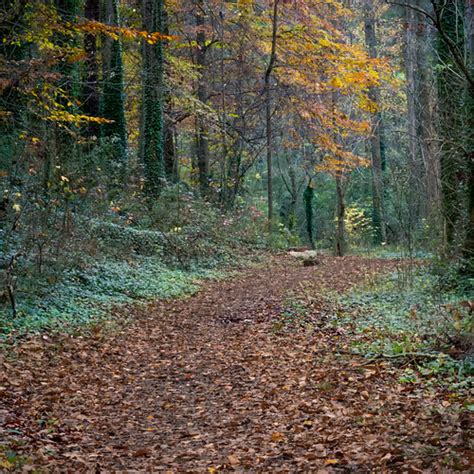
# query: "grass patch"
410,316
85,295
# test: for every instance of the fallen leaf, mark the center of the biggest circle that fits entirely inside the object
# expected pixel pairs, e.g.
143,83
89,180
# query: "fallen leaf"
233,460
277,437
141,452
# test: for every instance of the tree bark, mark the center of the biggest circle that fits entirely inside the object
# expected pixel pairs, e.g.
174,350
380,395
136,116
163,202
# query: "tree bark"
378,213
268,112
153,100
340,215
202,131
293,198
308,208
451,122
468,247
170,157
424,160
90,92
113,101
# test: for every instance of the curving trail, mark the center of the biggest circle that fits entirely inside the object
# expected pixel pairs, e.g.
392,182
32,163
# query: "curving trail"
212,383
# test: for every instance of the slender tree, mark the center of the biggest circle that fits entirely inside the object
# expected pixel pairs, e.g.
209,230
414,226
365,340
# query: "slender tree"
378,208
308,198
268,110
169,152
202,131
424,162
469,94
450,111
11,101
340,216
113,94
90,91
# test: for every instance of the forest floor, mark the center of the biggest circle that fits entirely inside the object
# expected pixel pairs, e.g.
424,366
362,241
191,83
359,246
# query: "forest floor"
219,382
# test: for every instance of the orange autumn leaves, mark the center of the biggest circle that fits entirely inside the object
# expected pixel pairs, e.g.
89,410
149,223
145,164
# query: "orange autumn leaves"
329,77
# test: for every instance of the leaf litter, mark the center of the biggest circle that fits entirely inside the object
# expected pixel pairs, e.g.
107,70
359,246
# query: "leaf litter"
211,384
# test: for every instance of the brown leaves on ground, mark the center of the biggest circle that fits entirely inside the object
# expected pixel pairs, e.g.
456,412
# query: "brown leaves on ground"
206,385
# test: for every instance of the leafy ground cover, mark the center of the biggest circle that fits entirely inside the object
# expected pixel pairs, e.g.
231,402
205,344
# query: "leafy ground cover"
250,374
88,293
411,314
131,257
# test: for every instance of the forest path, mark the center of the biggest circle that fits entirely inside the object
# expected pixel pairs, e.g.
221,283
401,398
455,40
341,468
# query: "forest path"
215,383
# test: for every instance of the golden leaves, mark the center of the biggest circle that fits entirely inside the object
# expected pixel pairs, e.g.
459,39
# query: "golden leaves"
336,82
117,32
65,116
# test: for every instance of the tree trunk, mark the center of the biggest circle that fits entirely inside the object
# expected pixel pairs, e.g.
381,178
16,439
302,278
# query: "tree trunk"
293,198
202,132
153,100
113,103
340,215
410,67
170,158
424,162
90,92
268,114
468,247
425,112
378,214
308,208
451,123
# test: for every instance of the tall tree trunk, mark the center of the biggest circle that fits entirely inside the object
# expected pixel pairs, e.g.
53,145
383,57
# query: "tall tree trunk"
378,213
66,148
424,162
469,240
425,112
233,177
170,158
293,198
113,101
268,112
90,92
308,196
410,67
340,215
153,100
202,132
11,101
451,123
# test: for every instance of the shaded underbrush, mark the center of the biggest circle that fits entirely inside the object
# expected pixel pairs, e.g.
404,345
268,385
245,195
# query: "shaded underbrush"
62,270
413,318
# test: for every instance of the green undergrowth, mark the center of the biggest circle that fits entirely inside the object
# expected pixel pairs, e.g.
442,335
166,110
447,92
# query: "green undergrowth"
413,318
55,276
88,294
391,252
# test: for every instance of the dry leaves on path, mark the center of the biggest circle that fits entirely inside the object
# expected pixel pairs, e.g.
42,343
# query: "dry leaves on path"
205,384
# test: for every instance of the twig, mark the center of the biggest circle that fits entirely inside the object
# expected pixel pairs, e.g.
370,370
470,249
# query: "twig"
413,355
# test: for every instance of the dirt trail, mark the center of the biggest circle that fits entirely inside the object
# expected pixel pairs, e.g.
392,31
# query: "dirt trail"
206,384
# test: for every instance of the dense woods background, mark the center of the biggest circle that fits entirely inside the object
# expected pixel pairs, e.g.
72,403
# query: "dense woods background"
168,136
302,171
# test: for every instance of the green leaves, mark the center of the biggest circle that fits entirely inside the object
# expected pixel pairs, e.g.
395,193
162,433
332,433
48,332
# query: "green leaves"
83,295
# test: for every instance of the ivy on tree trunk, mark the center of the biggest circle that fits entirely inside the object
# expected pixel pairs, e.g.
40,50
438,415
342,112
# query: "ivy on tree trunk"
153,100
113,97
